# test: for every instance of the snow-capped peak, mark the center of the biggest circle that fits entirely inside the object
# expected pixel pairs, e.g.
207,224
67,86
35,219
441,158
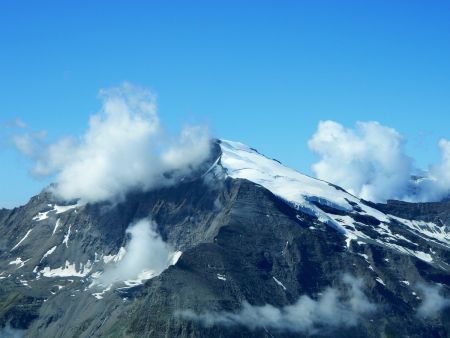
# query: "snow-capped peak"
310,195
299,190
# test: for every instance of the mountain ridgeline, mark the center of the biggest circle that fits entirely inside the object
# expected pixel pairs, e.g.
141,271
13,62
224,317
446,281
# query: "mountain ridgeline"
244,247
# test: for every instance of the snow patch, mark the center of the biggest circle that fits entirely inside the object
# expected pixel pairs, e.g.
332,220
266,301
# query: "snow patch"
24,283
57,209
349,238
48,253
69,270
66,237
57,224
379,280
20,242
41,216
174,257
18,261
423,256
365,256
426,230
221,277
63,208
99,295
279,283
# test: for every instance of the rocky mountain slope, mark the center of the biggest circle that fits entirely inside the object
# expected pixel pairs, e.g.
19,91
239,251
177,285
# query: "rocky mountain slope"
254,249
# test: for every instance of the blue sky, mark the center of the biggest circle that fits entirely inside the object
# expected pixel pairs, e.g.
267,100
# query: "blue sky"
262,72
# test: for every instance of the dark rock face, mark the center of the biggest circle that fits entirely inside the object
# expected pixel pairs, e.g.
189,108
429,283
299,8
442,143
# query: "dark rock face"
238,240
437,212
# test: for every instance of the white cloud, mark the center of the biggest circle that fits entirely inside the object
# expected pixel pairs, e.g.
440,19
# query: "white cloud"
187,144
124,148
369,161
437,183
146,255
28,143
23,143
331,309
433,302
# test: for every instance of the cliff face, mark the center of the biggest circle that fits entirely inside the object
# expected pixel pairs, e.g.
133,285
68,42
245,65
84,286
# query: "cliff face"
266,252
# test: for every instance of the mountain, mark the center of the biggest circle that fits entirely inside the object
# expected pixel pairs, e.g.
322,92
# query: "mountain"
246,248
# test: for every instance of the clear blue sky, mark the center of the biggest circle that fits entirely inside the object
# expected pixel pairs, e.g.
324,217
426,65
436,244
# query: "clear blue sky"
262,72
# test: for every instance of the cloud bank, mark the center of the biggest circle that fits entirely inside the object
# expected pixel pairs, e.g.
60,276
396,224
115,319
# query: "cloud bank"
124,148
433,301
369,161
331,309
147,255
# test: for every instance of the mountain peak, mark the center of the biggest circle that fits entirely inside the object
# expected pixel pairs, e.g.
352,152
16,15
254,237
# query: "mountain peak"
241,234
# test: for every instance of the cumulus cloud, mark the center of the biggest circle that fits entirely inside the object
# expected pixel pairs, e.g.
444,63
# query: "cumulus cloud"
332,309
433,301
370,162
124,148
147,255
436,184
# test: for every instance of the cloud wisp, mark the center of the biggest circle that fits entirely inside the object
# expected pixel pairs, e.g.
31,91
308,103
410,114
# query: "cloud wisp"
9,332
146,256
124,148
370,162
332,309
433,302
